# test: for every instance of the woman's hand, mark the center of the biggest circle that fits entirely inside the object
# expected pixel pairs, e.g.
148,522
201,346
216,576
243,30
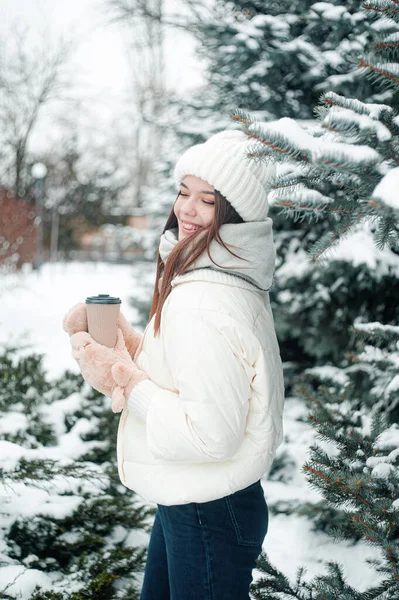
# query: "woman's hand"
110,371
75,321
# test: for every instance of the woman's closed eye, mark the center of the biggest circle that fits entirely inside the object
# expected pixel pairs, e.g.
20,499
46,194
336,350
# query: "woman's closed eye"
204,201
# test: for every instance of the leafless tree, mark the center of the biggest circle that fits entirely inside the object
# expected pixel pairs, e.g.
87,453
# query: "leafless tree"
121,10
146,22
191,13
146,90
32,75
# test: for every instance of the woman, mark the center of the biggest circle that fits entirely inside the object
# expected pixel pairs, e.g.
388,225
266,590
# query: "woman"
203,388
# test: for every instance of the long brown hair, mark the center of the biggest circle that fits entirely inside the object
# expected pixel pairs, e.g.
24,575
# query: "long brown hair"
187,250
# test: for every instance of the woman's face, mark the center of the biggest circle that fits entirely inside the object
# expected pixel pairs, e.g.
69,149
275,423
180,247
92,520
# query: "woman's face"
195,205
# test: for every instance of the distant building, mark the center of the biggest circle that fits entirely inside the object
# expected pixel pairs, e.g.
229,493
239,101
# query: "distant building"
18,231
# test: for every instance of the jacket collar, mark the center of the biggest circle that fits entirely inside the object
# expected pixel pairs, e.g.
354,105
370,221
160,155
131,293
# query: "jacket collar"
251,240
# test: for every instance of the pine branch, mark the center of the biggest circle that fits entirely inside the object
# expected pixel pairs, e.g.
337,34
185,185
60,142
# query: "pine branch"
311,212
268,140
242,117
330,99
376,331
375,71
277,142
36,472
387,8
357,128
276,586
331,239
390,43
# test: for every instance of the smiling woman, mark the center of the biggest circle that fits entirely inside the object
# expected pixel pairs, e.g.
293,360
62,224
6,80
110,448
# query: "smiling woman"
204,392
192,206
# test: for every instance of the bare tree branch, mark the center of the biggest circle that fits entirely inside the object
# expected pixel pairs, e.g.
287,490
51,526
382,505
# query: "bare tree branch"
124,10
31,76
146,97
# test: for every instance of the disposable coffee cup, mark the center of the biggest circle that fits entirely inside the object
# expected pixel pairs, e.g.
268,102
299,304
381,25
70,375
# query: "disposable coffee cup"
102,318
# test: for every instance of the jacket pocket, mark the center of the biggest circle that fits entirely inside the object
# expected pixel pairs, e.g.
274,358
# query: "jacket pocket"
249,515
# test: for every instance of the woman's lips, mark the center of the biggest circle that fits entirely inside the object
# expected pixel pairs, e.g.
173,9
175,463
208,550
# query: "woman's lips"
190,230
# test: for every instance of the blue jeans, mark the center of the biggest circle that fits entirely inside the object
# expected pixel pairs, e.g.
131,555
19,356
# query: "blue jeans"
206,550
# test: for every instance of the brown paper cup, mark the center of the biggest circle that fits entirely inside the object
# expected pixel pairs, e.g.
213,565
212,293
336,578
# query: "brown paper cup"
102,322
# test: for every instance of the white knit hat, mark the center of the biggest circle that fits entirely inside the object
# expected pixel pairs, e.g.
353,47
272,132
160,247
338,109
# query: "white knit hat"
222,161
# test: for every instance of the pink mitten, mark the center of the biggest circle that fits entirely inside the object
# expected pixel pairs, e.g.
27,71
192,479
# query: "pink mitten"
111,371
76,320
131,336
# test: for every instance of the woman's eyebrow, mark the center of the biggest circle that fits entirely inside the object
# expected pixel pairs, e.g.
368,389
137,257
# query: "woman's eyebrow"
203,191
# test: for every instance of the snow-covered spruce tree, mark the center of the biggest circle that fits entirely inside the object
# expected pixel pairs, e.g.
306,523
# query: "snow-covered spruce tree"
369,384
272,58
68,526
375,370
275,58
327,177
360,478
346,170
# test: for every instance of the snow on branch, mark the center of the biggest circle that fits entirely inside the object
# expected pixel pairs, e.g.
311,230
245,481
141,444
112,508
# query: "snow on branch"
386,8
374,111
387,190
376,70
376,329
346,157
361,126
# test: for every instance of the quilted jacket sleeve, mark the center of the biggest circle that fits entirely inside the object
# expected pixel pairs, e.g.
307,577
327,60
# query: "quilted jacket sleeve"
204,421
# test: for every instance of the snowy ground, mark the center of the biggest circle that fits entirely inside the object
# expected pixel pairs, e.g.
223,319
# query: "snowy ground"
32,306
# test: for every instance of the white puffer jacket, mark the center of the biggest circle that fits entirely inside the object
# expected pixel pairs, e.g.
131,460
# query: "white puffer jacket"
215,393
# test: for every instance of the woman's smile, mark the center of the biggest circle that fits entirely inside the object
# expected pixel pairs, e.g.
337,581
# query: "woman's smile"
189,228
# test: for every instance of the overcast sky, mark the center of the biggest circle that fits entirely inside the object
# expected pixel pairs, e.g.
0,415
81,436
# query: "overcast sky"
100,57
101,52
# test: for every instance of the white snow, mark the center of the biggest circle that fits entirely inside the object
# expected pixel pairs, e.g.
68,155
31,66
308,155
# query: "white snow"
359,248
365,122
346,152
21,581
298,265
330,372
254,28
394,385
394,37
292,130
388,189
12,422
373,110
302,194
385,24
389,437
334,58
324,150
382,470
370,327
329,12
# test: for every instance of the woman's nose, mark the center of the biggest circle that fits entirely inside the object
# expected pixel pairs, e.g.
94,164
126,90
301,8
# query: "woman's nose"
190,205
